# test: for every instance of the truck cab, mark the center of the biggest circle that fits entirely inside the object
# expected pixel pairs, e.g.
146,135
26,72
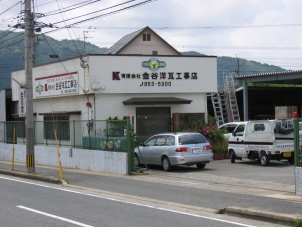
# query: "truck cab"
256,140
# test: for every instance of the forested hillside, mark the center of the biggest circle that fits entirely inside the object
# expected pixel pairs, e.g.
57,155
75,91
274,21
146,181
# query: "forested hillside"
235,66
50,50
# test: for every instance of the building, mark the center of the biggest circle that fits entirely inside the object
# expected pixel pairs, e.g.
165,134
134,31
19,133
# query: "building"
142,76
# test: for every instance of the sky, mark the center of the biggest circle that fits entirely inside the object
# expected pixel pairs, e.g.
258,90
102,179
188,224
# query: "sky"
267,31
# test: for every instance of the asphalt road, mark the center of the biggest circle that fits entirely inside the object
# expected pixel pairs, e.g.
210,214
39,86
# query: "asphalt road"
245,185
219,185
27,203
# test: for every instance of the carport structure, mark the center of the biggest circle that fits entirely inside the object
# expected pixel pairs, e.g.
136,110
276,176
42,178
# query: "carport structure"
287,77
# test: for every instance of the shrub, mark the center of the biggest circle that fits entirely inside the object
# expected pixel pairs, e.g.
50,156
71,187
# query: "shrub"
214,135
298,223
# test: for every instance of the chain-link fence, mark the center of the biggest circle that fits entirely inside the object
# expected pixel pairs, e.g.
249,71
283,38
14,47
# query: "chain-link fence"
109,135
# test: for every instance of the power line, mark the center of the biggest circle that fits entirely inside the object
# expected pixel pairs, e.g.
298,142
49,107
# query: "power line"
68,30
10,8
198,27
95,11
68,8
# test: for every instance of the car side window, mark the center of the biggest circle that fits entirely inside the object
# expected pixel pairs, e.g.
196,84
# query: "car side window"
150,142
160,141
239,130
170,141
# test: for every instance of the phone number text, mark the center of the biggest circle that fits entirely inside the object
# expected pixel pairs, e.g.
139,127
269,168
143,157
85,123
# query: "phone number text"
159,84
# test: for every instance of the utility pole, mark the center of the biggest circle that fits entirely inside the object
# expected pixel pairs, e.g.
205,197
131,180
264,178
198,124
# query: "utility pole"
30,149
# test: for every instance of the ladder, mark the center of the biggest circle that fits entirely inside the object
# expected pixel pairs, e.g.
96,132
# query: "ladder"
233,106
217,106
225,103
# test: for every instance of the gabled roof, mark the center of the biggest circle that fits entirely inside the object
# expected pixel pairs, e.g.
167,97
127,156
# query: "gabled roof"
123,42
127,39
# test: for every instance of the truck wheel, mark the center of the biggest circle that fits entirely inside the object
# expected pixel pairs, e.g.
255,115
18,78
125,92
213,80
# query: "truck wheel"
291,160
233,157
264,159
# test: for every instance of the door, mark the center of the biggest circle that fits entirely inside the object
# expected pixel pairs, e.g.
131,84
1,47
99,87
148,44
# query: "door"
152,120
238,139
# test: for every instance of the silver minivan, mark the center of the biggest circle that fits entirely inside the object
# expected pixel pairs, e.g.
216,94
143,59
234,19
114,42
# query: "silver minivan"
175,148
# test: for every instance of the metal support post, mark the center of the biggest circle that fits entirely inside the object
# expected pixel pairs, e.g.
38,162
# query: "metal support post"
129,149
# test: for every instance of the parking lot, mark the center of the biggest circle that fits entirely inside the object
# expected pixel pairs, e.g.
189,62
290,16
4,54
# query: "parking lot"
278,176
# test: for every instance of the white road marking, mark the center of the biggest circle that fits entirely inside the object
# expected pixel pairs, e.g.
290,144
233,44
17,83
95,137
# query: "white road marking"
54,216
132,203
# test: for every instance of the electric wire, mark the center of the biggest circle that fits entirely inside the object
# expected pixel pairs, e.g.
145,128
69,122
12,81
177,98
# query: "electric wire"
66,9
87,14
68,30
237,26
10,8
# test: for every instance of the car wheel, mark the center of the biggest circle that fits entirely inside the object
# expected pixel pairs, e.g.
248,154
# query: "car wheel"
200,165
166,164
291,160
264,159
136,161
233,157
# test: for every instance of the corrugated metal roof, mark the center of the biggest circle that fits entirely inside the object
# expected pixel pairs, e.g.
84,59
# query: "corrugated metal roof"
289,72
123,42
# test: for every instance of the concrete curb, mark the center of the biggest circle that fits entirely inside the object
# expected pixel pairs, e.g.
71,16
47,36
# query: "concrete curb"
34,176
285,219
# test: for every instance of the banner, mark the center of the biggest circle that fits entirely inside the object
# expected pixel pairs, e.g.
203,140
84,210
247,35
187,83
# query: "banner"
57,85
22,103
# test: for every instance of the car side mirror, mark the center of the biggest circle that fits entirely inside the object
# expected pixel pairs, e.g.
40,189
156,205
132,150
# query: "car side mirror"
233,133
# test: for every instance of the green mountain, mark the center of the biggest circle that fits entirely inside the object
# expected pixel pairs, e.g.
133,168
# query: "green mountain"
238,66
51,50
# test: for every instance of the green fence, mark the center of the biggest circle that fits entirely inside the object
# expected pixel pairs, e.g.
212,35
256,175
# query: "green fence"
107,135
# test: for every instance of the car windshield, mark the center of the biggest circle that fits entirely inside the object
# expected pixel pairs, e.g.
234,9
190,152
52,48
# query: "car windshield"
191,139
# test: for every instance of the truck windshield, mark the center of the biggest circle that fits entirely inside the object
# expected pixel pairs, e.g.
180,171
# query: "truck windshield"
239,131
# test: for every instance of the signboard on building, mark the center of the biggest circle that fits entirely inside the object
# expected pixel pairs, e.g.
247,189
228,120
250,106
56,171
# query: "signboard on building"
154,74
57,85
22,103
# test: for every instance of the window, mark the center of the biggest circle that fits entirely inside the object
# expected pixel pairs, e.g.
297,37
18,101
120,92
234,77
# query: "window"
191,139
62,126
146,37
160,141
151,142
239,131
170,141
154,52
259,127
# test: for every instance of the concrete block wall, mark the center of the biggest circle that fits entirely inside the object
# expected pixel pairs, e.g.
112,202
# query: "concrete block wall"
93,160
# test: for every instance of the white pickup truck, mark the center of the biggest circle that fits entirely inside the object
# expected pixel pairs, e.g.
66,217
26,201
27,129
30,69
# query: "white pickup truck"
256,140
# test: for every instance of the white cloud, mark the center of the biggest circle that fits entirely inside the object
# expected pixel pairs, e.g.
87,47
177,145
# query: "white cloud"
224,28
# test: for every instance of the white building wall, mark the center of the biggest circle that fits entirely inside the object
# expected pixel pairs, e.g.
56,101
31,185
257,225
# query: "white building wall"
138,46
110,93
52,69
111,105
